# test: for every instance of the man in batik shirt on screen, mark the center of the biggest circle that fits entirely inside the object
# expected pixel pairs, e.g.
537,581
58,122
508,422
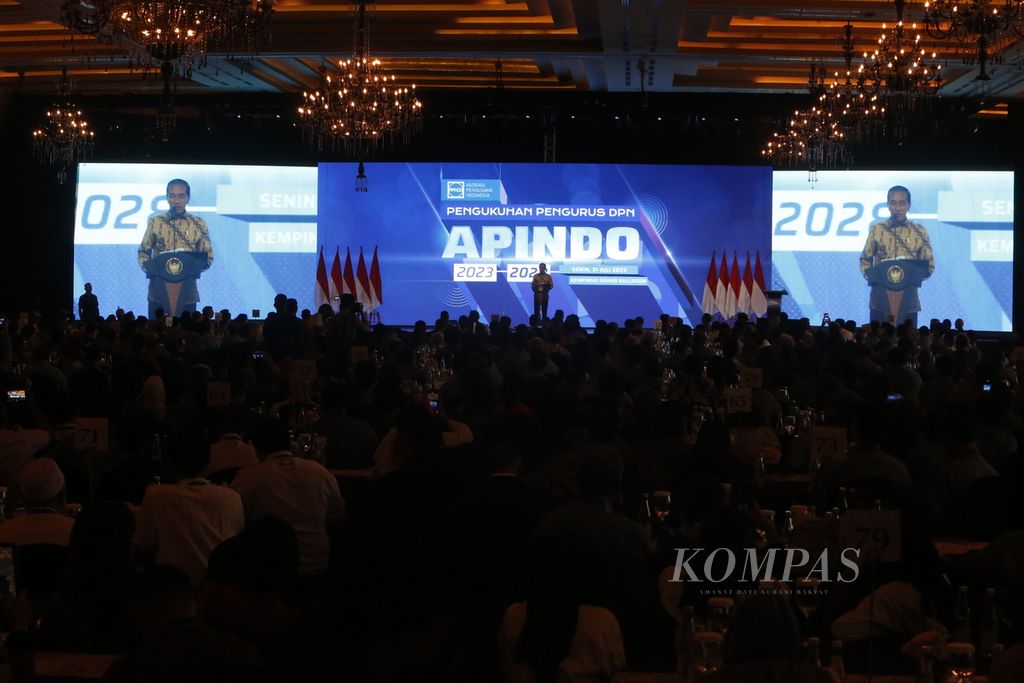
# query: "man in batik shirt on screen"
896,238
176,230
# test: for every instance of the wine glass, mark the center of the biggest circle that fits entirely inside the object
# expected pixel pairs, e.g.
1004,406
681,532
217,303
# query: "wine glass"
661,504
789,424
807,595
961,662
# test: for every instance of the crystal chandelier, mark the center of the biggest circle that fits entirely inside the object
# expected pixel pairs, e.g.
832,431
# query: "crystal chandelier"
846,96
813,138
359,107
177,31
900,71
64,138
981,28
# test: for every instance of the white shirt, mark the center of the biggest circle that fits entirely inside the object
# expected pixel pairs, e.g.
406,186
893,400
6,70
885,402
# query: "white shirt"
230,452
385,462
596,653
17,446
185,521
302,493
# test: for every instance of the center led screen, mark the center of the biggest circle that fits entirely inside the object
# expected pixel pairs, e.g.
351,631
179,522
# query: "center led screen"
620,241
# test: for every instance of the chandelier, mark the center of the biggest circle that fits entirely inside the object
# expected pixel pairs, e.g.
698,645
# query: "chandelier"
815,137
982,28
359,107
812,137
176,31
845,95
900,71
64,138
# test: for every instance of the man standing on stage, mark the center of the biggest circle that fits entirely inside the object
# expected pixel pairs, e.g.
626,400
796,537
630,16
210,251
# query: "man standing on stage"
893,239
176,230
88,304
541,285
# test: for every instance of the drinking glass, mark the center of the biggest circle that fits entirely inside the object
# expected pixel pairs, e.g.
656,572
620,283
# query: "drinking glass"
807,595
718,614
961,662
709,651
789,424
661,504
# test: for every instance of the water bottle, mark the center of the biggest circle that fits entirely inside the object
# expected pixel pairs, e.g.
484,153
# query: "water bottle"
787,528
925,664
685,631
760,473
814,652
988,630
961,631
835,664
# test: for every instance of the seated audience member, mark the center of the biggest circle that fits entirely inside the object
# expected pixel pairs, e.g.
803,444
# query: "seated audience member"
559,634
301,492
92,612
351,441
179,647
762,645
45,520
406,438
230,452
181,523
17,446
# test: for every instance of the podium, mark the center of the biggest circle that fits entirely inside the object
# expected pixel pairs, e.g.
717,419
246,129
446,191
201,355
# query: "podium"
172,274
899,278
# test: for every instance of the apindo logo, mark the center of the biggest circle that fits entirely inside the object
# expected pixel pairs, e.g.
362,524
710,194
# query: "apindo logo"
456,189
720,565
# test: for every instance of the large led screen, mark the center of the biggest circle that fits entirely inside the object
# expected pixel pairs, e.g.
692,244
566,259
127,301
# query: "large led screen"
261,221
819,232
620,241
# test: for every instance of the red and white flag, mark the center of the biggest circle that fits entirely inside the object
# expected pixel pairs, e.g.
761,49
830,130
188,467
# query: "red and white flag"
349,277
322,295
337,283
758,301
743,306
734,289
707,301
376,291
722,293
363,283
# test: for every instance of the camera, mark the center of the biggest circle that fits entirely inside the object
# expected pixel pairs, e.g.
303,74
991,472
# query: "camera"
987,386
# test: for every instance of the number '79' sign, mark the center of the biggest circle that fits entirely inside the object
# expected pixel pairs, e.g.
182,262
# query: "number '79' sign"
875,532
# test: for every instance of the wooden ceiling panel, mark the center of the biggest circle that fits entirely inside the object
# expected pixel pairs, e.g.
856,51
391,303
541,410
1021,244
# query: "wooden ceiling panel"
715,45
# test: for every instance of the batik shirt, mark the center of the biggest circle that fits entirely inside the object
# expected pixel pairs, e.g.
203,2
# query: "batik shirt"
184,233
888,241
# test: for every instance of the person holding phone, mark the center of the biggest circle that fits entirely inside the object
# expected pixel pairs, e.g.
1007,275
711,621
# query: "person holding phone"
176,230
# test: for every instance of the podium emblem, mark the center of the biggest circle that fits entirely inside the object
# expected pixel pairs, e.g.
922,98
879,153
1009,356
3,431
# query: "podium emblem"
174,266
895,274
